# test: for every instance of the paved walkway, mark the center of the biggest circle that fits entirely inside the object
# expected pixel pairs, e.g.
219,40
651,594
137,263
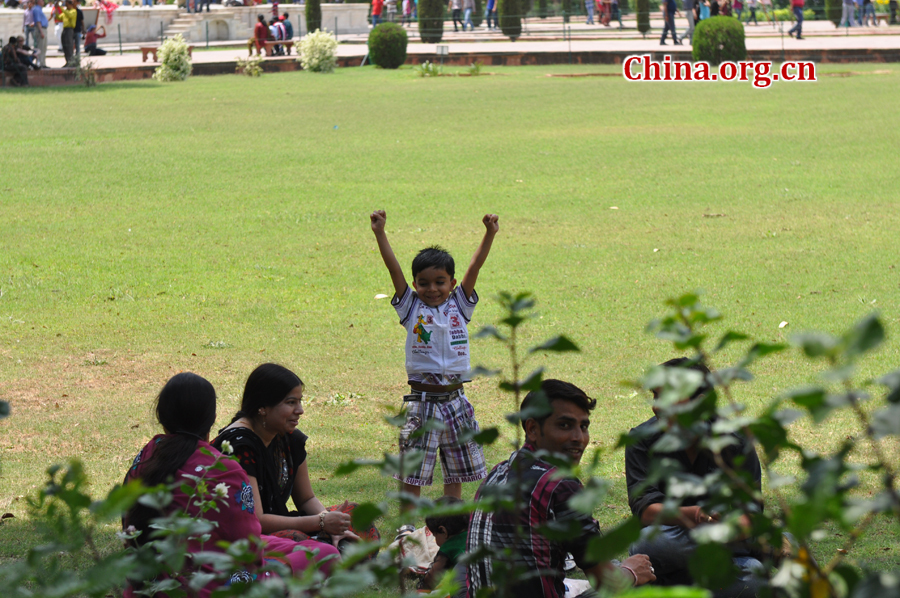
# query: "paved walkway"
546,36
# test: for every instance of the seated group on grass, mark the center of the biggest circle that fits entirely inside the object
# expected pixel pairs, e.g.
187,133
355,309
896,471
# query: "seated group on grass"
271,466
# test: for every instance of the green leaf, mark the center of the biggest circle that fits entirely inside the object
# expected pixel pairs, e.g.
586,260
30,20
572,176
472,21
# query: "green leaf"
4,409
532,382
614,542
119,500
886,422
489,331
711,566
810,397
540,408
867,334
479,371
513,321
351,466
484,437
728,338
815,344
396,421
892,381
668,592
590,496
559,344
365,514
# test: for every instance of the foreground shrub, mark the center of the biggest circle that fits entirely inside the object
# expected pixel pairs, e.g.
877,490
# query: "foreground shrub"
174,60
718,39
252,66
510,14
643,15
431,21
387,45
318,52
313,15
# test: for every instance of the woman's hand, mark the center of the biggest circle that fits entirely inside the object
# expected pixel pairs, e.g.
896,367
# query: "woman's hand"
336,523
347,535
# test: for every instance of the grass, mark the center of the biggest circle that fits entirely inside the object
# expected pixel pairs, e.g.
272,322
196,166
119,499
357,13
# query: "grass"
222,222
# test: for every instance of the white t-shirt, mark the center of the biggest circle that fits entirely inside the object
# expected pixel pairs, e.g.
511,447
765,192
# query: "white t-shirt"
437,338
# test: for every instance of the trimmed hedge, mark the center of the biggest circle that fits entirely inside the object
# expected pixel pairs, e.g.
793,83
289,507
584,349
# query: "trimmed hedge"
833,11
313,16
719,39
643,15
510,15
431,21
387,45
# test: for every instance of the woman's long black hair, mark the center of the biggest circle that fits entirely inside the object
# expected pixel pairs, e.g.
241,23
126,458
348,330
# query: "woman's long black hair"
186,408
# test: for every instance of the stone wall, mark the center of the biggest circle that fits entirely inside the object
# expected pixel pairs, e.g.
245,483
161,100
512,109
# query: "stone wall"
350,18
142,24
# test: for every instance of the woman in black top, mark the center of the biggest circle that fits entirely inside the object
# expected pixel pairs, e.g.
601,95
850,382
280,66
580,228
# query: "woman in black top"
270,448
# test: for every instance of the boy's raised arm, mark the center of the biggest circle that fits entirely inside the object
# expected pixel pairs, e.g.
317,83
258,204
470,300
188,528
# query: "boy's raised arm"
378,218
491,225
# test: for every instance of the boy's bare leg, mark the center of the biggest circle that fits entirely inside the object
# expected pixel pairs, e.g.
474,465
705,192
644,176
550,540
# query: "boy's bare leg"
409,489
454,490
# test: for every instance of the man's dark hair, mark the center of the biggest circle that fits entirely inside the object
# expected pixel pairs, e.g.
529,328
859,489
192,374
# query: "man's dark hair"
433,257
691,364
556,390
454,524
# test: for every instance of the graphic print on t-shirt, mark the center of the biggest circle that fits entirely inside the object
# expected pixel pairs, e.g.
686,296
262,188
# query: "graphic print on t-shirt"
422,335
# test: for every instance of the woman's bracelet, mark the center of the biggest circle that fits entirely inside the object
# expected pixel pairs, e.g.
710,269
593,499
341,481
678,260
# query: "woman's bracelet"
630,570
322,521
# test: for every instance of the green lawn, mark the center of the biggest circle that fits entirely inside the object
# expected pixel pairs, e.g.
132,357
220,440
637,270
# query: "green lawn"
218,223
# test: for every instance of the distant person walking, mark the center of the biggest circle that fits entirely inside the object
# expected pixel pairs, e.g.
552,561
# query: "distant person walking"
468,7
751,6
669,14
869,12
589,9
490,11
688,7
847,14
797,7
377,7
456,11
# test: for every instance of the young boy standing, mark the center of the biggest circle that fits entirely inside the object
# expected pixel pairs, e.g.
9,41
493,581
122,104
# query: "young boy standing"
435,316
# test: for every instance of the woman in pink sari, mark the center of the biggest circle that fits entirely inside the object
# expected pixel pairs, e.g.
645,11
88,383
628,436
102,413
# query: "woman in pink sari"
186,409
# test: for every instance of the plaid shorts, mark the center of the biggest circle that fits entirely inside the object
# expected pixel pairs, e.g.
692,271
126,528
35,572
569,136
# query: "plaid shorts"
459,462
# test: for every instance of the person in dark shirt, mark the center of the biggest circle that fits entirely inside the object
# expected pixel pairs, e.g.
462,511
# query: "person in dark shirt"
669,10
666,536
540,561
12,65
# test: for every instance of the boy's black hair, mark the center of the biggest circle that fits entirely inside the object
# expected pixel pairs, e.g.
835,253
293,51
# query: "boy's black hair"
454,524
433,257
556,390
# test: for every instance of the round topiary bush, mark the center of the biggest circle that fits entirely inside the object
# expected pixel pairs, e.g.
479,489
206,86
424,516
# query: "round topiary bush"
642,14
313,15
510,14
387,45
431,21
719,39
